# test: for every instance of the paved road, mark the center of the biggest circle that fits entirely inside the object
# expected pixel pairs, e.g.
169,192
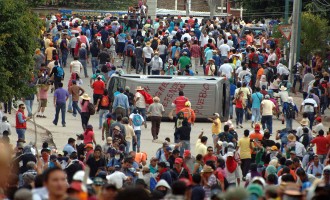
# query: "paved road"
73,125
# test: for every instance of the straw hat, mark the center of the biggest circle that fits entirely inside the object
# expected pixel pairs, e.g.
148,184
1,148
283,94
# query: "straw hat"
148,44
291,138
139,88
207,169
85,97
304,122
283,88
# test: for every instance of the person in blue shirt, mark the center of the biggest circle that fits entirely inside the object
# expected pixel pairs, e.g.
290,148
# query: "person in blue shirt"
69,148
256,101
217,59
115,161
289,117
232,95
120,104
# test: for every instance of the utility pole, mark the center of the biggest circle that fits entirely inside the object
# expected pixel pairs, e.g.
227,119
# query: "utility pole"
188,7
286,12
176,5
221,6
152,8
294,34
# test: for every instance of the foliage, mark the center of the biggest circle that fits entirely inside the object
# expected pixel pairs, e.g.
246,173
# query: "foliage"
19,32
314,32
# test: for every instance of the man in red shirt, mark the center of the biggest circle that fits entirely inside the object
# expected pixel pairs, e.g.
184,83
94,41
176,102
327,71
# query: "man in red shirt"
255,137
322,145
179,102
209,155
98,89
253,60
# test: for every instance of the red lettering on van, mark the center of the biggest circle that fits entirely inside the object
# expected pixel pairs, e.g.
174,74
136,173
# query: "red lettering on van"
147,89
202,95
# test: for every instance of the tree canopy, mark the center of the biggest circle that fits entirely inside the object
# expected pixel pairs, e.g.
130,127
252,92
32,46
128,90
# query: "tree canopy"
18,41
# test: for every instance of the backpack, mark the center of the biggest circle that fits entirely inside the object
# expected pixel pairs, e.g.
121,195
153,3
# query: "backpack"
305,139
247,78
105,101
129,52
255,58
60,72
153,183
91,108
290,112
154,44
137,120
294,69
270,74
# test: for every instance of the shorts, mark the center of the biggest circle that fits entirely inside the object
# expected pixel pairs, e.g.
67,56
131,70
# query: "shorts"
43,103
121,47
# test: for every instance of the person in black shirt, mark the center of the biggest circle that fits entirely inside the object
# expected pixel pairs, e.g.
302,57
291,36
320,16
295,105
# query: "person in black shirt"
104,56
80,146
96,162
130,96
139,62
184,135
95,50
73,166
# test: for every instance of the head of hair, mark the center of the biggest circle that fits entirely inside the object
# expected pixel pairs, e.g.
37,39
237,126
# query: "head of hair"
196,178
288,178
221,163
49,171
179,188
132,193
246,132
266,135
226,128
181,93
288,163
321,132
60,84
119,118
71,140
272,179
203,139
199,157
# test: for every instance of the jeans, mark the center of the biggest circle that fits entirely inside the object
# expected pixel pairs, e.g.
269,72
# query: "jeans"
255,114
155,126
155,72
102,113
142,112
84,64
267,122
239,116
128,64
139,66
149,67
311,116
29,104
195,62
324,103
95,64
305,94
245,166
185,145
75,108
254,71
64,58
138,136
21,133
295,79
84,119
246,113
70,102
288,123
128,146
163,57
60,107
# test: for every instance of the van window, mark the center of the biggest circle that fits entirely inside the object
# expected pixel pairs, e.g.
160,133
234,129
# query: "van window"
160,77
224,98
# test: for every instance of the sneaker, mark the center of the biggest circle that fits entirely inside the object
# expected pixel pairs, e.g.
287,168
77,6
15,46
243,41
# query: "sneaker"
252,125
54,123
241,126
145,125
63,125
70,111
237,126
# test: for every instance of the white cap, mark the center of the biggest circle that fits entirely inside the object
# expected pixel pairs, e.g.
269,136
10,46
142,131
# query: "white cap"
79,176
230,153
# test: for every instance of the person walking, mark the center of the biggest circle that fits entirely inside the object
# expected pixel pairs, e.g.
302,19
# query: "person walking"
83,58
136,120
239,108
139,59
76,91
267,107
61,95
42,97
98,87
64,49
256,102
311,108
156,64
179,102
189,113
155,111
244,145
120,104
21,122
58,73
85,115
140,103
289,112
103,106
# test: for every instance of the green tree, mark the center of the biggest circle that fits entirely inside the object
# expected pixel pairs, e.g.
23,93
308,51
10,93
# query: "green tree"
314,32
18,41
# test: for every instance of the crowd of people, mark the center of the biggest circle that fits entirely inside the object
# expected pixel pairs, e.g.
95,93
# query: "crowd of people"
265,163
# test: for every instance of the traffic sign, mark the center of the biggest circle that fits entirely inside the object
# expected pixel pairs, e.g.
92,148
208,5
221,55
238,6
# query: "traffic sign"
285,30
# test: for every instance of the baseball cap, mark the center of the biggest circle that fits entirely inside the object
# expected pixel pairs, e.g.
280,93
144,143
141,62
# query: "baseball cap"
178,161
216,114
79,176
186,153
88,146
257,127
230,154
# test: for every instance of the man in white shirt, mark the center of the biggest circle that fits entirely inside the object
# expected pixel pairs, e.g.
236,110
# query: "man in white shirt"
224,50
204,39
117,178
267,107
272,56
186,35
243,73
310,107
226,69
140,103
220,40
282,69
75,66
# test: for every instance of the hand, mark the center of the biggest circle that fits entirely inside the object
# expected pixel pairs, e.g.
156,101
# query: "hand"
28,118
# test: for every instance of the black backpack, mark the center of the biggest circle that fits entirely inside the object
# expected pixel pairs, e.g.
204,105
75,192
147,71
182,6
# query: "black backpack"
270,75
290,112
154,44
305,139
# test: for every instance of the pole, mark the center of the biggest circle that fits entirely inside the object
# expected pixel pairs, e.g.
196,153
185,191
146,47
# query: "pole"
176,5
299,31
294,34
241,13
221,6
187,8
286,12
